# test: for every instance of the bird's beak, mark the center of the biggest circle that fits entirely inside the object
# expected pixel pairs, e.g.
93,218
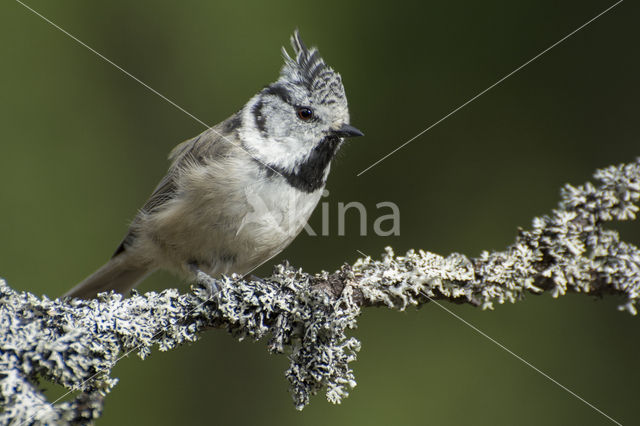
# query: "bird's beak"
347,131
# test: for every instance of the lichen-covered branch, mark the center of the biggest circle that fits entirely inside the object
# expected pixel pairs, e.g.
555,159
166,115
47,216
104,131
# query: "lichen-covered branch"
76,343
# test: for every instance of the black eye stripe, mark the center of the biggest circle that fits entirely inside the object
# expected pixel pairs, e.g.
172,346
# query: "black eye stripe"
303,112
279,91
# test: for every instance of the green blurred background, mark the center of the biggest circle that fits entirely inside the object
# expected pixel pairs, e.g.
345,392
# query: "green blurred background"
83,146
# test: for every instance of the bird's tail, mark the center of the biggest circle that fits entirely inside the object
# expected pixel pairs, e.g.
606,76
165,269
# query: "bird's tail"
120,274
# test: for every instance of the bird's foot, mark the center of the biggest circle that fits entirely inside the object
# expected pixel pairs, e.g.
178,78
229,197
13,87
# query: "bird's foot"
205,279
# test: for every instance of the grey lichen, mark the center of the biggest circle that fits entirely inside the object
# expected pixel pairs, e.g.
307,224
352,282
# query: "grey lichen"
76,343
569,250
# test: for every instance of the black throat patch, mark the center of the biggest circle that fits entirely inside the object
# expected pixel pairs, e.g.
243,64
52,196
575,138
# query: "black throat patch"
310,175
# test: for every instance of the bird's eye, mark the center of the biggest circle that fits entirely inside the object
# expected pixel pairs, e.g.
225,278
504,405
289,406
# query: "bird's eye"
305,113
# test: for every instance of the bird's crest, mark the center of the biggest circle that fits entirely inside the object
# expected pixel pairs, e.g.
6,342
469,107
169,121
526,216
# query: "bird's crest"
307,67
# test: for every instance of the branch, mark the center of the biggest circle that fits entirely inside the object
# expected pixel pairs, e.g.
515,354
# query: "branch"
76,343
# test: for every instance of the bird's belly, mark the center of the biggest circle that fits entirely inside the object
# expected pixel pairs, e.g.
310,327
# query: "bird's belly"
235,234
275,215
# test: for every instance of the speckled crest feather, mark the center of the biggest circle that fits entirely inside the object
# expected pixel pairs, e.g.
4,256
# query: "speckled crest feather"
309,69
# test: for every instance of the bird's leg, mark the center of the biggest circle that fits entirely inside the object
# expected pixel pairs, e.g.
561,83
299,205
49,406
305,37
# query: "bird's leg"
204,278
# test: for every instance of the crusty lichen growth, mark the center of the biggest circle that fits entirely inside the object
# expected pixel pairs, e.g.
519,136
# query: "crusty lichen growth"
567,251
76,343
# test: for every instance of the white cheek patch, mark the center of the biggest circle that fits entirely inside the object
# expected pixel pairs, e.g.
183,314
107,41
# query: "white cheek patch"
284,152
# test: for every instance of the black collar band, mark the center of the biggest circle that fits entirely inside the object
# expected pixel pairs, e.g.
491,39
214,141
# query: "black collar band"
310,175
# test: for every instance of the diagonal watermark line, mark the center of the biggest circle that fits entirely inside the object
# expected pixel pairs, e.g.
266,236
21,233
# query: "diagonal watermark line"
491,87
145,85
451,113
518,357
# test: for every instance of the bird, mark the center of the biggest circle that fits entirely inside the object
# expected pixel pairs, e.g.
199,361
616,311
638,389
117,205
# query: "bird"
240,192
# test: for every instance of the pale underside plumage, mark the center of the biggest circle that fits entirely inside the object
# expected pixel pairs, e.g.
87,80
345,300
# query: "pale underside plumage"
201,215
240,192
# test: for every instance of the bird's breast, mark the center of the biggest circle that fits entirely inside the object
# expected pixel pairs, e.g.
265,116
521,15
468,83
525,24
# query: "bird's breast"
275,213
230,222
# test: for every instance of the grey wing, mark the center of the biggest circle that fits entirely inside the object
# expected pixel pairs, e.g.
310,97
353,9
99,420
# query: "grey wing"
164,192
208,144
